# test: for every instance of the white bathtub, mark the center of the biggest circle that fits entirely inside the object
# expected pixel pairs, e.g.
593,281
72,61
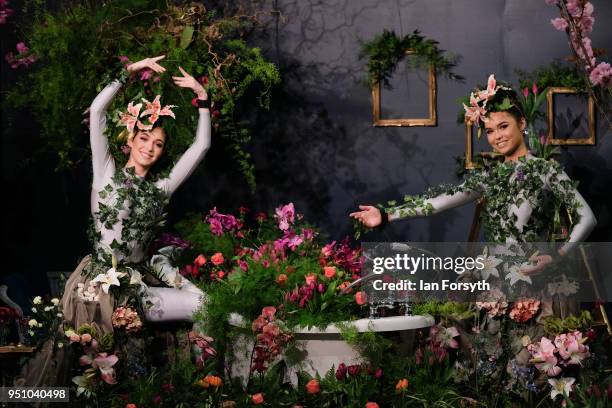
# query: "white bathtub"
322,349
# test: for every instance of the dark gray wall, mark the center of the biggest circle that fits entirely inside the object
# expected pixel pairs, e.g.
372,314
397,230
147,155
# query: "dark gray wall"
353,162
316,146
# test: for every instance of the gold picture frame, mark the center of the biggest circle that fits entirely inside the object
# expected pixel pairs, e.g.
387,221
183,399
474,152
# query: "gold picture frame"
550,111
469,149
432,91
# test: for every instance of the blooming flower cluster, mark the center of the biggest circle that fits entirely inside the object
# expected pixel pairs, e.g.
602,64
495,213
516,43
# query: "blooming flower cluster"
126,317
153,110
23,58
440,339
220,223
582,20
477,110
566,349
524,310
304,294
270,339
89,293
342,255
495,303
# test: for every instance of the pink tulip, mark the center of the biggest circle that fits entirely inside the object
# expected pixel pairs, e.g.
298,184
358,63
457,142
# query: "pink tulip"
525,92
534,88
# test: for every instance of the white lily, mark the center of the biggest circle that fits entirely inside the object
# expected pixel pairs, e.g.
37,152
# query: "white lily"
562,386
490,265
514,274
108,279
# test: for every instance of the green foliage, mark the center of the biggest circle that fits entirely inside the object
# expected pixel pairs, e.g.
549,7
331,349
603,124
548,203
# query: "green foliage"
387,50
555,325
78,48
458,310
554,75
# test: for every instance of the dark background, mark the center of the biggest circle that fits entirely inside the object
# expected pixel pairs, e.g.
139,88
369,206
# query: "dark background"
316,147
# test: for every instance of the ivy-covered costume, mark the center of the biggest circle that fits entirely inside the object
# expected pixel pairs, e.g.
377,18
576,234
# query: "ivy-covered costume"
126,210
520,199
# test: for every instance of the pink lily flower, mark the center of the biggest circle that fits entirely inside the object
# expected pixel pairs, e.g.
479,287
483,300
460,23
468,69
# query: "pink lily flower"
105,364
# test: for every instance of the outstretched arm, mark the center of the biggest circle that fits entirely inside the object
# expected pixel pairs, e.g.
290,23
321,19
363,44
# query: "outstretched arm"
196,152
103,163
417,206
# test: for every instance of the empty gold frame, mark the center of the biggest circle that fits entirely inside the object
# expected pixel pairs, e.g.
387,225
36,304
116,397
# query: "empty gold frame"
590,140
469,149
430,121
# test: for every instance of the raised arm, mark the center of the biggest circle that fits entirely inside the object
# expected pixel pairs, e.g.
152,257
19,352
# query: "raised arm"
565,190
103,163
192,157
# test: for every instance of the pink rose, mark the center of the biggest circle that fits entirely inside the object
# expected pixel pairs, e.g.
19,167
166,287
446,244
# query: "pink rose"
75,338
200,260
313,387
86,338
217,259
257,398
361,298
371,405
329,272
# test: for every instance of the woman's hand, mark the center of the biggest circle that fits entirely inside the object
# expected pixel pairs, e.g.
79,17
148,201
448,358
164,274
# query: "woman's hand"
369,216
187,81
150,63
541,262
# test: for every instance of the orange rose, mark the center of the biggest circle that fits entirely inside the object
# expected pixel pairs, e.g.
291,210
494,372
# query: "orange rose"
282,279
402,385
329,272
217,259
313,386
361,298
200,260
214,381
257,398
371,405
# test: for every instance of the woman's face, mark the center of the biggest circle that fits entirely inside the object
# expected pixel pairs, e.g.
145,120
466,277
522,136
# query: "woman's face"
147,146
504,133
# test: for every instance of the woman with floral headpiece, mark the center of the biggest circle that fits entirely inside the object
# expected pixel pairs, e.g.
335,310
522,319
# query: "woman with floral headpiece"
517,191
127,206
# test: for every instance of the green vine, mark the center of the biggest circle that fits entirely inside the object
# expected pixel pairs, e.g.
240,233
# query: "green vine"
387,50
211,47
555,74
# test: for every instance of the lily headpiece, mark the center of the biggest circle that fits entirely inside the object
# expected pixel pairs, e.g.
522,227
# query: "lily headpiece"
146,119
477,111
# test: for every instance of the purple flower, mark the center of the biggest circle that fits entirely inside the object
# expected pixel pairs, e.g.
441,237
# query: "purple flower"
285,215
520,174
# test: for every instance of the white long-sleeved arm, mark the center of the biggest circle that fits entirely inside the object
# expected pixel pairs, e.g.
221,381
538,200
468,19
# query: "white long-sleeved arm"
103,163
418,207
192,156
563,188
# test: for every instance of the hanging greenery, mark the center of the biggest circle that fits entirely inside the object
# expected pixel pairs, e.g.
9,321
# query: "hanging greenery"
75,51
387,50
556,74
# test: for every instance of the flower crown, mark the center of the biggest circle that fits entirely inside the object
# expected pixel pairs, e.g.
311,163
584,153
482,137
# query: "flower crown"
477,110
132,118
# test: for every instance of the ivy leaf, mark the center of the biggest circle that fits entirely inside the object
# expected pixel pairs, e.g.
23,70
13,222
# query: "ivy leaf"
186,37
505,105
